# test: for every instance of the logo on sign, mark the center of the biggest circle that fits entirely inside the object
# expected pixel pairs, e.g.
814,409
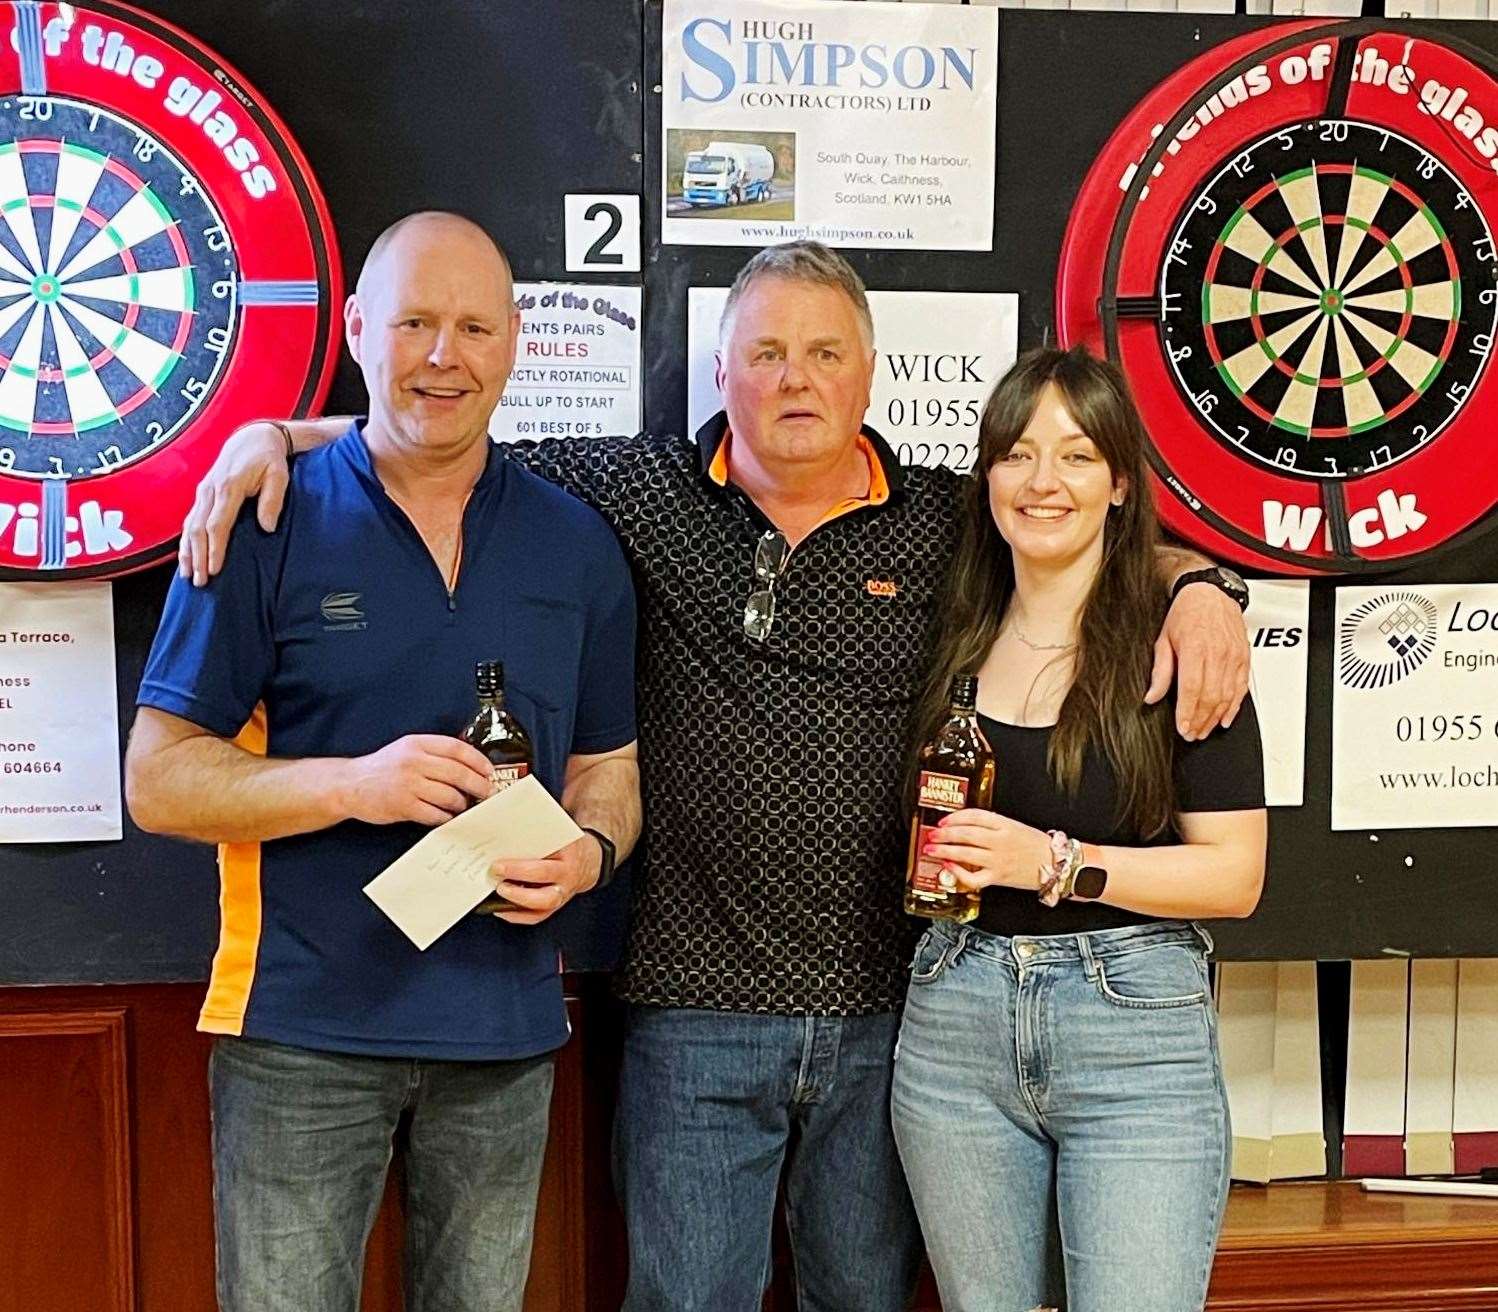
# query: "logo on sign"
1384,639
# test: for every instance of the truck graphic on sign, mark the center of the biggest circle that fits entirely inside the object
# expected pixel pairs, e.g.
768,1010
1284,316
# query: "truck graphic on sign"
728,173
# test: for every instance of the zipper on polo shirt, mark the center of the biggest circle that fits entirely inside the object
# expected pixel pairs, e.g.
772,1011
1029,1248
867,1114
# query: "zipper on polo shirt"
449,585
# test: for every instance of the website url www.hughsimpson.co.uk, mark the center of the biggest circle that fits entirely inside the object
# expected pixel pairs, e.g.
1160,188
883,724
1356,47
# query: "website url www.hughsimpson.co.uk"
1484,776
828,232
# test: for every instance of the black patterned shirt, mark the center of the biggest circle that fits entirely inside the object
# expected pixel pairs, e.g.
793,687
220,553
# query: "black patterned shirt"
774,852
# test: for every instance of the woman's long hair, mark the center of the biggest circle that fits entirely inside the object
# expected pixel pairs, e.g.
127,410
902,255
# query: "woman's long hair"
1123,611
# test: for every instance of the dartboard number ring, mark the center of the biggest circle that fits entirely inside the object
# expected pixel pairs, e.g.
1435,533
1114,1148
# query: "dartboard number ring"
167,271
1320,304
1304,293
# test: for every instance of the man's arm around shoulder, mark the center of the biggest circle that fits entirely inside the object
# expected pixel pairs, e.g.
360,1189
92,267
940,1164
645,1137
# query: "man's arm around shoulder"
1203,647
255,462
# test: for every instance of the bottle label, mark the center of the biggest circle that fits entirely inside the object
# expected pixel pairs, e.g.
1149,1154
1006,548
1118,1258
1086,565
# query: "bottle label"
943,794
502,776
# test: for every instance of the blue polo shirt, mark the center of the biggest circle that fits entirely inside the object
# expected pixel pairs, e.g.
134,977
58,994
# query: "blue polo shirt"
336,635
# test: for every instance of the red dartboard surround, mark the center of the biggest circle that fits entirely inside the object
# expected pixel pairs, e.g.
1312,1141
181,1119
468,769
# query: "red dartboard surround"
168,271
1289,246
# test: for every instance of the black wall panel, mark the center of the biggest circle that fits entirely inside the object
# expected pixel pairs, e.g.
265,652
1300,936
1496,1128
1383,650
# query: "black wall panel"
500,109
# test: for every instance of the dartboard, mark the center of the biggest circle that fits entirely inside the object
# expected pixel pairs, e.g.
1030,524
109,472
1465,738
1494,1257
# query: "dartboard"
1289,247
167,271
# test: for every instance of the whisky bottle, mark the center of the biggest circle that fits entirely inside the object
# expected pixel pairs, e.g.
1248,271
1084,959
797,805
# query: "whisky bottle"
500,737
956,770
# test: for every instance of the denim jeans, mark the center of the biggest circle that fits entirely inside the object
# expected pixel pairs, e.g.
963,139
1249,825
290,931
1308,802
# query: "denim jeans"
1060,1111
713,1108
301,1144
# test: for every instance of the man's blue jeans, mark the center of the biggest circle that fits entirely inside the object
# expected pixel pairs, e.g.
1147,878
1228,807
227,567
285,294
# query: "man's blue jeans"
301,1144
1059,1102
713,1108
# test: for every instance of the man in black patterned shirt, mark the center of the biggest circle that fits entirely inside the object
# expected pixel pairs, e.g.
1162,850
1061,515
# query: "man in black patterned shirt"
787,569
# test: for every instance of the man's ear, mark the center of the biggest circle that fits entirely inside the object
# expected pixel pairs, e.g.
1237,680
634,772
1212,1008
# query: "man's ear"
353,325
718,371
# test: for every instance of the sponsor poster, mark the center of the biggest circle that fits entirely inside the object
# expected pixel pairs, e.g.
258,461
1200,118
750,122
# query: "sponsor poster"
1278,621
577,368
1415,707
867,125
59,718
939,355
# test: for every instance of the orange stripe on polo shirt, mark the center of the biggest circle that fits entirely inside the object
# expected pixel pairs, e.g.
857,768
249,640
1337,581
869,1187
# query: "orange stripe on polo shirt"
877,494
239,915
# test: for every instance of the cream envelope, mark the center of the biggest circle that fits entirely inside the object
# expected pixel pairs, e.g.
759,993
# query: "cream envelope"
439,881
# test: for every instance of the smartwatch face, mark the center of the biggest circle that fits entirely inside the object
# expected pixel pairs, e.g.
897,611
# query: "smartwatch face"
1091,880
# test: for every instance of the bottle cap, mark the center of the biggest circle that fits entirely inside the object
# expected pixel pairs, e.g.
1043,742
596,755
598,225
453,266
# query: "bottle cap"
489,676
965,691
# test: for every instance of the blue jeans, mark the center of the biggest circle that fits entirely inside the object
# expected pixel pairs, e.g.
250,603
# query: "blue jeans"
301,1144
713,1107
1060,1111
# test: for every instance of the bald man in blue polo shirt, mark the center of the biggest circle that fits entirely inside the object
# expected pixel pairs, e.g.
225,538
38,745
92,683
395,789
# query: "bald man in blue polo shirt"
315,743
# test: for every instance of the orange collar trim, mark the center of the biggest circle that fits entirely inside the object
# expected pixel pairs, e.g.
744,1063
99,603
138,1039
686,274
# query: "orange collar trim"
718,470
877,494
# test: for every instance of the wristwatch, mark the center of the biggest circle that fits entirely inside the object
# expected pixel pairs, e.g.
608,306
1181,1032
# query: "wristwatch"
1219,577
606,870
1089,883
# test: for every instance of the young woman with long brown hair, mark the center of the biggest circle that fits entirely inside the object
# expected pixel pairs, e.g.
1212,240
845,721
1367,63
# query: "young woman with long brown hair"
1058,1099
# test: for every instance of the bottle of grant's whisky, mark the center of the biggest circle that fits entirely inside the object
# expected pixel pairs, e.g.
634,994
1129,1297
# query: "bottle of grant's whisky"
956,772
502,738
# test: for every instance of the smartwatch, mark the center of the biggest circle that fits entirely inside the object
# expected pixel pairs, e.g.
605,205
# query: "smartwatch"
606,870
1226,580
1089,883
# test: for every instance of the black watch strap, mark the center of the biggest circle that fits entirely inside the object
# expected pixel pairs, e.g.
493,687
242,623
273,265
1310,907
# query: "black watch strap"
1223,580
606,870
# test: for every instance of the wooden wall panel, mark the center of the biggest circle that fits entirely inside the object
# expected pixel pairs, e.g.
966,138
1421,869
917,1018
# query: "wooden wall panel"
65,1162
173,1166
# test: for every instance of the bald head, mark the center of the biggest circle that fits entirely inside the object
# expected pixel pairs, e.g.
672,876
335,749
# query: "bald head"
433,326
433,228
